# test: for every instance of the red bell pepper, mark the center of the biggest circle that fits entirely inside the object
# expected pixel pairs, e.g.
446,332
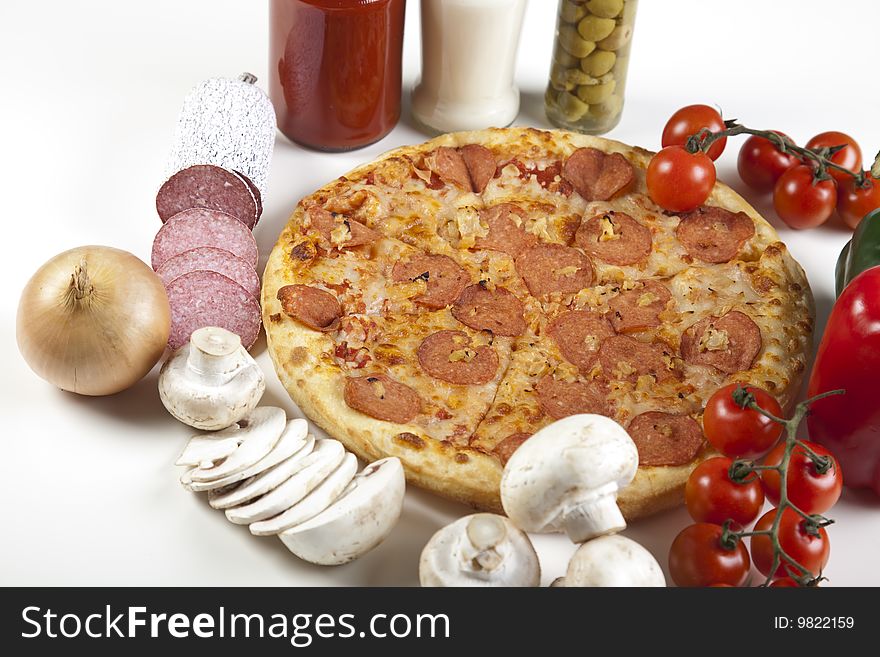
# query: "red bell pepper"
849,358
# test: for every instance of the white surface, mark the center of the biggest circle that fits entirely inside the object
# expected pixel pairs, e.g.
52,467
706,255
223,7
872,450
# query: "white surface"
90,96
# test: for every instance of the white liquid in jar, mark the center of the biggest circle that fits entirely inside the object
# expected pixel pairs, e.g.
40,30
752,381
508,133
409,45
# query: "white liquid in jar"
468,59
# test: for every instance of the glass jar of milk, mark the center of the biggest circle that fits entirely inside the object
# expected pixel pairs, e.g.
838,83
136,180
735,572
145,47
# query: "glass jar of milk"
590,59
468,61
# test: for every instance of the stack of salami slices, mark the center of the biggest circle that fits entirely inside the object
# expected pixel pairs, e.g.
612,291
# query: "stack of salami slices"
205,252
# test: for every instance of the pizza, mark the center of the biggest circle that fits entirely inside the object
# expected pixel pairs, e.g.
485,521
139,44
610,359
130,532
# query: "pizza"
446,301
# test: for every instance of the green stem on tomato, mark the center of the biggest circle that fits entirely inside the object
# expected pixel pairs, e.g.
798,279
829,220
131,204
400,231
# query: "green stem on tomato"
743,398
702,140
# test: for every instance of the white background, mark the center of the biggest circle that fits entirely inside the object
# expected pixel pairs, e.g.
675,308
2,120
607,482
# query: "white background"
89,96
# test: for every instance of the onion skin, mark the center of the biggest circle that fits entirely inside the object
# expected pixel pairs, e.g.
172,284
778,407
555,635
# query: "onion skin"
93,320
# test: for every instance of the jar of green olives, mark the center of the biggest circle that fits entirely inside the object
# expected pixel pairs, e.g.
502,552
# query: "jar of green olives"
590,58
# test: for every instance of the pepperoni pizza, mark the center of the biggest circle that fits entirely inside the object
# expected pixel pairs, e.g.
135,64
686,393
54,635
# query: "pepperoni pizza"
445,302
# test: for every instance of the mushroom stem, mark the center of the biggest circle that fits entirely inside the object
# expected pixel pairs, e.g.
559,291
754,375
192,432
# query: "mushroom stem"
597,516
213,352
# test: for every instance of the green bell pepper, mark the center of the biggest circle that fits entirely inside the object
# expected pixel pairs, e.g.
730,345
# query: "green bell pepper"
860,253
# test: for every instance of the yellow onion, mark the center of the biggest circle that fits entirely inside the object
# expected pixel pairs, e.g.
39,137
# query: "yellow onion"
93,320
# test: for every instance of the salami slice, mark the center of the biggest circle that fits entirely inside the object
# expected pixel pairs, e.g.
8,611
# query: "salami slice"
339,231
206,298
315,308
729,343
665,439
199,227
639,309
258,197
505,449
504,233
497,310
626,359
480,165
614,237
444,277
549,268
383,398
713,234
211,187
450,166
596,175
559,399
579,334
212,259
450,356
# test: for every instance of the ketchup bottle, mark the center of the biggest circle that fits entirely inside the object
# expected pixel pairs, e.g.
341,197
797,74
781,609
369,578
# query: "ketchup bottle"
335,68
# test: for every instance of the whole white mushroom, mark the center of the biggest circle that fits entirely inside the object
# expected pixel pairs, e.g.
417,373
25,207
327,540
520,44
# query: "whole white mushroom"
483,549
612,561
567,476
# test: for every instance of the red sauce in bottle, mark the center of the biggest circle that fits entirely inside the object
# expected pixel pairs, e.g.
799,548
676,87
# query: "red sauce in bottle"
335,70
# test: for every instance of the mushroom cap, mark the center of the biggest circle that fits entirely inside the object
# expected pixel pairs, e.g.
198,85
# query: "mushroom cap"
613,561
482,549
360,519
578,461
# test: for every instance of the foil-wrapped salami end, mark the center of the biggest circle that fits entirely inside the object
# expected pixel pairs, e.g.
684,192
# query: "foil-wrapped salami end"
227,123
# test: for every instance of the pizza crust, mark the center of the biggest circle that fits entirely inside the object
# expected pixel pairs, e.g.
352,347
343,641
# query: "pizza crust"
303,357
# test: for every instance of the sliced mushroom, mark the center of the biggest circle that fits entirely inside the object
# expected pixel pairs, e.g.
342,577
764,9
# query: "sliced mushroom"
205,449
358,521
325,458
266,481
567,475
293,441
313,503
612,561
259,432
483,549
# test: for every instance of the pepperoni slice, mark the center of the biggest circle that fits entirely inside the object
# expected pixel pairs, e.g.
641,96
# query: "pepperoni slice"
639,309
504,233
548,268
450,166
729,343
665,439
614,237
505,449
444,277
579,334
315,308
340,231
480,164
382,397
714,234
626,359
449,356
559,399
596,175
495,310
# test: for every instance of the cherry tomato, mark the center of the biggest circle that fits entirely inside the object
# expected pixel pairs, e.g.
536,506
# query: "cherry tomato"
855,201
712,496
808,490
689,121
784,582
741,432
801,201
761,163
809,550
849,157
697,558
679,181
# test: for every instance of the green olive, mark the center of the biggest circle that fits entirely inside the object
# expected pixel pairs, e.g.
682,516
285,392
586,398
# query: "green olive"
573,43
598,62
570,12
559,78
596,93
609,108
578,77
629,12
618,38
605,8
620,66
550,96
572,107
594,28
564,59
